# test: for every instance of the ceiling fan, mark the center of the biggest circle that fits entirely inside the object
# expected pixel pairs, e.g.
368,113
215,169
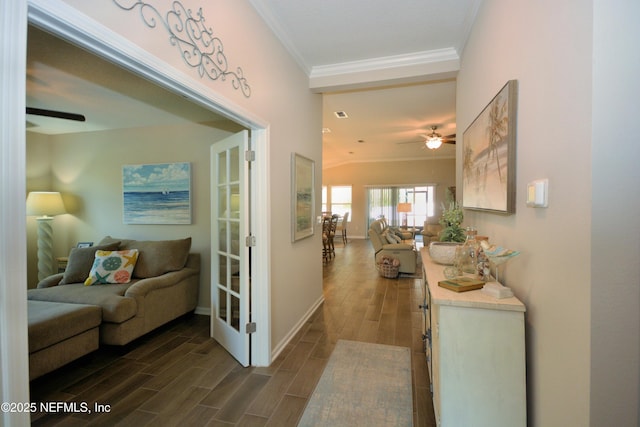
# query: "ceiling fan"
56,114
434,140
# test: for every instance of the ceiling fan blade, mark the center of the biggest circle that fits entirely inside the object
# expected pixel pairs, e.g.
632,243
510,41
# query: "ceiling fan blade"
56,114
410,142
449,139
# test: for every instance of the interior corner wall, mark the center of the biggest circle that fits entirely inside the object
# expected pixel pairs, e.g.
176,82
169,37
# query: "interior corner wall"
547,47
411,172
615,305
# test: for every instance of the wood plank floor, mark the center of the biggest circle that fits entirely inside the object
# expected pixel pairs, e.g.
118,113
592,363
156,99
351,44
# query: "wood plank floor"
177,375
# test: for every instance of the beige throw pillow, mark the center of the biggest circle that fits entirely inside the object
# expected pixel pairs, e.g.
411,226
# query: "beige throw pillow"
156,256
81,261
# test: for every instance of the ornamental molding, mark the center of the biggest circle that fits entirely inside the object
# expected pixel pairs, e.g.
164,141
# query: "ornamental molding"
197,45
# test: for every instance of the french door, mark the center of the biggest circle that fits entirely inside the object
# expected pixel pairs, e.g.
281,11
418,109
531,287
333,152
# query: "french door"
230,274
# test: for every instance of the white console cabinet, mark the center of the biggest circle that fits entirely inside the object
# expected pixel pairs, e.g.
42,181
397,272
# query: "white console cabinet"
475,349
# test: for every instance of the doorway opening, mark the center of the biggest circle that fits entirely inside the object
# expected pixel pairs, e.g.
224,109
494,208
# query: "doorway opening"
140,63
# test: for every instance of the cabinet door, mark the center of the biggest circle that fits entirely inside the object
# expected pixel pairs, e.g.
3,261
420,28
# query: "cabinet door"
481,362
435,359
428,332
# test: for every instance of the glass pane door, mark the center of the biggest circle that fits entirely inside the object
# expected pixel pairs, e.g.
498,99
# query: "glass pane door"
229,266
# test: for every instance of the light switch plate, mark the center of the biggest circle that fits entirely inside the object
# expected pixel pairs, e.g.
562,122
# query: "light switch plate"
538,193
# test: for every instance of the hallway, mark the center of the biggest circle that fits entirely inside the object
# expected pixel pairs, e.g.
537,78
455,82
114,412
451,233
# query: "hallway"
362,306
177,375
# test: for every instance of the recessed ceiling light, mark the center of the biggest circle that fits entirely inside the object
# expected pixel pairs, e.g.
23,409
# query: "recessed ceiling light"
326,130
361,141
341,115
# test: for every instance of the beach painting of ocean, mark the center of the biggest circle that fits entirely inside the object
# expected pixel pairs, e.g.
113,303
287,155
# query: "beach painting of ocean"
157,193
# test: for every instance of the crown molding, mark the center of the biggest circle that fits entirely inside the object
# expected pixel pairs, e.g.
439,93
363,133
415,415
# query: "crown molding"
467,24
397,69
265,13
344,162
427,57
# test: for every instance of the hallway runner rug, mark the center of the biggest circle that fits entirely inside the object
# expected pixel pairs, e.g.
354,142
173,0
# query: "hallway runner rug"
363,384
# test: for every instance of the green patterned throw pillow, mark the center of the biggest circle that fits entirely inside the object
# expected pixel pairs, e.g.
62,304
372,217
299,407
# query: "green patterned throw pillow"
112,267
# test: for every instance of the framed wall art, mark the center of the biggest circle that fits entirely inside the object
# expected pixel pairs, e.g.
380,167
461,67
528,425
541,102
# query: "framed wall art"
489,155
302,196
157,193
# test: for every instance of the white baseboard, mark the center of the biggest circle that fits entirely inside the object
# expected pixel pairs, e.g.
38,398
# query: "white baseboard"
282,344
206,311
350,237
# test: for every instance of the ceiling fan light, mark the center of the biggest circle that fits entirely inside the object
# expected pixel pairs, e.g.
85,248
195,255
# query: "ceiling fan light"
434,143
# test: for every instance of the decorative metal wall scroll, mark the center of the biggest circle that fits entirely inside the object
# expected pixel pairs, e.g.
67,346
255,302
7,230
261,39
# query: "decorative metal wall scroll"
198,46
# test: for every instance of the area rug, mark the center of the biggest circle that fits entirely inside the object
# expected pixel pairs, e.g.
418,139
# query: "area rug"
363,384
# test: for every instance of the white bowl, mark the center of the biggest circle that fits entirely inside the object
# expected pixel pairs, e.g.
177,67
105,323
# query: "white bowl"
443,252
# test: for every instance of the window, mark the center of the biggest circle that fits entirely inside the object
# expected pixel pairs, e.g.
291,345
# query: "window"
337,199
421,199
341,200
383,201
324,199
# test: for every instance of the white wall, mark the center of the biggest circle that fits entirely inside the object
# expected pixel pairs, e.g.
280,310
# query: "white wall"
549,48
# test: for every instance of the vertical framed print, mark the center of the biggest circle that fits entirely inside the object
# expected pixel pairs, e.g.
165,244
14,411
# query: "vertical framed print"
489,155
302,196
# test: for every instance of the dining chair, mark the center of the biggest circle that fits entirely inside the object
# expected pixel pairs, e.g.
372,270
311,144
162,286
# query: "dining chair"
326,245
342,227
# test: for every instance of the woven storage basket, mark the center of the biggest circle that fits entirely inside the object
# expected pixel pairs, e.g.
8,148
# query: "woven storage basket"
387,270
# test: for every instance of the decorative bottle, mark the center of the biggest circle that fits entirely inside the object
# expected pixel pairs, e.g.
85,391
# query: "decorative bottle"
484,272
467,255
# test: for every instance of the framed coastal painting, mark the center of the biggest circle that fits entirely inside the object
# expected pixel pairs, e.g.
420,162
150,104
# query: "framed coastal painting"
156,193
489,155
302,196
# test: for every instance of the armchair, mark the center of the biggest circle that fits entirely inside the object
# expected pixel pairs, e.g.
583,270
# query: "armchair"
380,240
430,233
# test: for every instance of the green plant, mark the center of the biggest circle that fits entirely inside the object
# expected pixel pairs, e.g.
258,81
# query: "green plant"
450,220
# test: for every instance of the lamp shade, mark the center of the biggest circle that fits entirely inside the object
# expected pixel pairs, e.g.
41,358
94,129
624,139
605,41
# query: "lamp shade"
404,207
45,203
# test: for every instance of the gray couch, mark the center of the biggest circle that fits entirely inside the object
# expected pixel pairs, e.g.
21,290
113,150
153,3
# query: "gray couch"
381,237
165,284
60,333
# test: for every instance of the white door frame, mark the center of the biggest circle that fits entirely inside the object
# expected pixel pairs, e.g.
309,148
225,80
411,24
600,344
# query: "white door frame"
14,353
66,22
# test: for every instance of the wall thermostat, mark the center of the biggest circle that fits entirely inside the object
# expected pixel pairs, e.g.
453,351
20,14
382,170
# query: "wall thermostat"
538,193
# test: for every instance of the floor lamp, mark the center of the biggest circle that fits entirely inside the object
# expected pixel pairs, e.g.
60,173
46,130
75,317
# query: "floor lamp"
404,208
45,205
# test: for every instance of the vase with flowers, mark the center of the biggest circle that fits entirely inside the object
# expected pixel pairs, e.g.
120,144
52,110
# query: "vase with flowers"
450,221
451,236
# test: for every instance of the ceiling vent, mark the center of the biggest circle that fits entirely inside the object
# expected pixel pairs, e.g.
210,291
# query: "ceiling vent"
341,115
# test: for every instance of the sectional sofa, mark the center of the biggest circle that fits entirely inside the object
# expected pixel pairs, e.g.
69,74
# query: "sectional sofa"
68,318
